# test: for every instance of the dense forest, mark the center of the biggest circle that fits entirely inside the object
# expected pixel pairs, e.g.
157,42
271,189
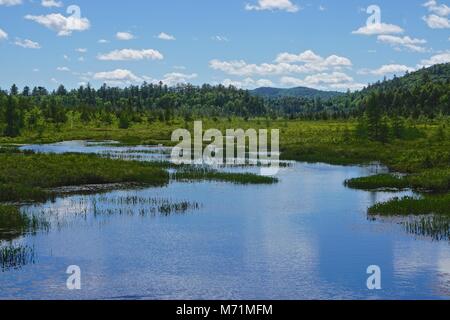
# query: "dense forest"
425,93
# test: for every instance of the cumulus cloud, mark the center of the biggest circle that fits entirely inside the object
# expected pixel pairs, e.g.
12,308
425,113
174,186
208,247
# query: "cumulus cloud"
436,22
103,41
248,83
125,36
324,81
81,50
438,17
174,78
64,26
388,69
378,28
118,75
436,59
10,3
404,42
27,44
439,9
3,35
285,63
307,56
51,3
130,54
165,36
272,5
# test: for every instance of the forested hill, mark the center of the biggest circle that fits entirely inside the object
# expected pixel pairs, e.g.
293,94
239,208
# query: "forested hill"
425,92
298,92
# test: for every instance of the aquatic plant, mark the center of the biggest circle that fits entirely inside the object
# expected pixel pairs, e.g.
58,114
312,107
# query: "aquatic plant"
15,257
413,206
436,227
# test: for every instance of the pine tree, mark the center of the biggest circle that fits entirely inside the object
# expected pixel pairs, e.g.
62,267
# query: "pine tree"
12,119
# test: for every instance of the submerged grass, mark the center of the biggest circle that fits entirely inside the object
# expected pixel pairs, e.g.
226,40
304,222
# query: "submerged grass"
15,257
436,227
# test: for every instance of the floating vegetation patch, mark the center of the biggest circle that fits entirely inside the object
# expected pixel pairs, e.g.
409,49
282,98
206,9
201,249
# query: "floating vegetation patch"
380,181
413,206
15,257
206,174
436,227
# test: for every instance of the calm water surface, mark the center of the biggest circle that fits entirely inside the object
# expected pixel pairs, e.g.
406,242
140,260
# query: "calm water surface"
307,237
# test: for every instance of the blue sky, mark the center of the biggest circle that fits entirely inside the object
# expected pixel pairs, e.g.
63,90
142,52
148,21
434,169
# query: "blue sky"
327,44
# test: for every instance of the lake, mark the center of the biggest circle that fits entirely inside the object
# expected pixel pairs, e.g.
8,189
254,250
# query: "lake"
306,237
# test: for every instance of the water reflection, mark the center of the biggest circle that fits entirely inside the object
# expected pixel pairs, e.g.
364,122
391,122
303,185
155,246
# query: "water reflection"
306,237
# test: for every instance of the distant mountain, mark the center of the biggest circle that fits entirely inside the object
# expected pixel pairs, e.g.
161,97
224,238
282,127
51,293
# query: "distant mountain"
299,92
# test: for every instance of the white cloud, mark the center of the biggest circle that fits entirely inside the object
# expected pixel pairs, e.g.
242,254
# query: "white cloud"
248,83
130,54
284,64
165,36
307,56
125,36
324,81
388,69
9,3
436,22
64,26
51,3
436,59
81,50
403,42
283,5
441,10
378,28
27,44
174,78
63,69
220,38
3,35
118,75
438,18
102,41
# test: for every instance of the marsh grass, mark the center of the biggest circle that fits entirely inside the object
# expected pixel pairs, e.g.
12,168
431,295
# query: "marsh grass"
412,206
436,227
28,177
206,174
15,257
375,182
14,223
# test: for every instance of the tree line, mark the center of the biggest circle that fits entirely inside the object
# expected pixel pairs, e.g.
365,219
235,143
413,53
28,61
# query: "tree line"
425,93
